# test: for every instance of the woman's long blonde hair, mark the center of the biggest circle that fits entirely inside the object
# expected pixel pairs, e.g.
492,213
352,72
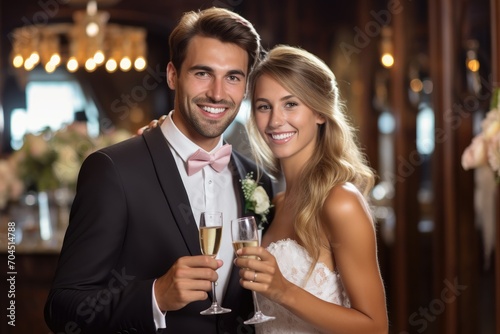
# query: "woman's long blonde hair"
337,159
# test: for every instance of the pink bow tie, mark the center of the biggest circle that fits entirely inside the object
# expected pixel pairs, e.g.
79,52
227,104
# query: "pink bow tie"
217,160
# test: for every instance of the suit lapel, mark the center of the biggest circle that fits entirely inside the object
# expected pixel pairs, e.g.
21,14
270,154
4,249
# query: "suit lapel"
173,188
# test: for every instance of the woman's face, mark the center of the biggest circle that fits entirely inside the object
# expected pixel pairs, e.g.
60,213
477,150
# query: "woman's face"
288,126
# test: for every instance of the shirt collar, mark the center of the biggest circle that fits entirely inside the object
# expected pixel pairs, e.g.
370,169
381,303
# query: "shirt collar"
181,144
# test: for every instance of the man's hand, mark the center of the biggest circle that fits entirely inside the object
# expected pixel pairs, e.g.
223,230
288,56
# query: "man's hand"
188,280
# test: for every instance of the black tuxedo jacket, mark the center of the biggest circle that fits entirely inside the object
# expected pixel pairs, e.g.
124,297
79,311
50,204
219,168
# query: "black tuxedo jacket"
130,221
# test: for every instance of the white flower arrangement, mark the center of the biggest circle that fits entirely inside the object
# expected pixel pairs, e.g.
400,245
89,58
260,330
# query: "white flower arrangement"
256,198
485,147
52,159
11,187
483,154
49,160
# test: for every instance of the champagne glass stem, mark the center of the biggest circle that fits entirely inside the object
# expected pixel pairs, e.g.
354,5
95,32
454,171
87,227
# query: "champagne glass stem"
258,316
214,298
256,306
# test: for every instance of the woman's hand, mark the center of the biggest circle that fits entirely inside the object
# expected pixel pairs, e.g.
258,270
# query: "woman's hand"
262,276
153,124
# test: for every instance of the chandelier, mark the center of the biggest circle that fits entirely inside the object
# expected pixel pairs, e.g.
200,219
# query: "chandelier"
89,43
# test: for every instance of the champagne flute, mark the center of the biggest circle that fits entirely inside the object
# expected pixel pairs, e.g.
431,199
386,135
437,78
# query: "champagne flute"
210,238
245,233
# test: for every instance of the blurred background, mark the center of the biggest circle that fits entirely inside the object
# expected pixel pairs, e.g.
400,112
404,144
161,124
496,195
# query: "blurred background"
419,78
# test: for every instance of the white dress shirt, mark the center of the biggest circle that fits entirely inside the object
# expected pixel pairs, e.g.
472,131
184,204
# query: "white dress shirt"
207,190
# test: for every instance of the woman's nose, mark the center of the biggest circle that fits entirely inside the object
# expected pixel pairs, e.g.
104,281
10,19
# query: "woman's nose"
277,118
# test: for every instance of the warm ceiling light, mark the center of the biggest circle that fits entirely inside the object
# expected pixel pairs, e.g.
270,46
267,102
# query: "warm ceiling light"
34,57
92,29
50,67
386,47
72,64
90,37
29,64
99,57
125,64
416,85
55,59
387,60
473,65
18,61
111,65
140,64
90,65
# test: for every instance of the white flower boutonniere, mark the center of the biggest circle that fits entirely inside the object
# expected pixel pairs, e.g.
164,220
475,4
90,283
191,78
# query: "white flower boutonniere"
256,198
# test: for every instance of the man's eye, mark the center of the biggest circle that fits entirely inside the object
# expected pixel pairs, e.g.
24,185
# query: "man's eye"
233,78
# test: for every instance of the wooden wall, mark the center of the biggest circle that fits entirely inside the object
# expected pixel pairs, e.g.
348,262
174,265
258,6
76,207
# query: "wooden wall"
495,60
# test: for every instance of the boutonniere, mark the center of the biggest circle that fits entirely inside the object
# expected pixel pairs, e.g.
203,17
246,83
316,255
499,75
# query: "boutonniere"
256,198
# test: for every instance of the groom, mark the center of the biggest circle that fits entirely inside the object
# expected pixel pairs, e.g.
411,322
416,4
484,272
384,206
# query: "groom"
131,259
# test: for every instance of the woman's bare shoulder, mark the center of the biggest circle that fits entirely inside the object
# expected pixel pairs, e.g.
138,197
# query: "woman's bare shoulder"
345,203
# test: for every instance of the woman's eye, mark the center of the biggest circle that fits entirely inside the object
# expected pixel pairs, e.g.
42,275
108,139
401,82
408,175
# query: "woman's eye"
263,107
291,104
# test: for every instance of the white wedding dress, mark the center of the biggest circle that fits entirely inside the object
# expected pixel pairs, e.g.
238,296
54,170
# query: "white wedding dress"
294,262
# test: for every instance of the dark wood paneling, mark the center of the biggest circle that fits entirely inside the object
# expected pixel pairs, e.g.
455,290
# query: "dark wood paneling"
495,60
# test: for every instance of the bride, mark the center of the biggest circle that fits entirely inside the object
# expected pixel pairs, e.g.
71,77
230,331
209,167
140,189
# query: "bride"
318,271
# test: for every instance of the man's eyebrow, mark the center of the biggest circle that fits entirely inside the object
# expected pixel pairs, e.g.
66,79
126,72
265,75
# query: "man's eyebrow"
236,72
208,69
203,68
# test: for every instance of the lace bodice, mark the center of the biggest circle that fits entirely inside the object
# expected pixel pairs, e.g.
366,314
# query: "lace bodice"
294,261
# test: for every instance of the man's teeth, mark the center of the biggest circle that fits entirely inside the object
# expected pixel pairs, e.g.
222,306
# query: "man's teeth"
282,136
213,110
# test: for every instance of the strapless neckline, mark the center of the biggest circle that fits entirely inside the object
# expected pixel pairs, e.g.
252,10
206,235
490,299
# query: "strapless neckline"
294,262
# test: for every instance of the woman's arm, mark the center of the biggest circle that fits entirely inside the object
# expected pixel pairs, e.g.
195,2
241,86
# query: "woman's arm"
347,221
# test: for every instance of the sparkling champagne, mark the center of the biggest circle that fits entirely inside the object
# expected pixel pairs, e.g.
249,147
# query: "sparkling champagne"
210,240
245,243
238,244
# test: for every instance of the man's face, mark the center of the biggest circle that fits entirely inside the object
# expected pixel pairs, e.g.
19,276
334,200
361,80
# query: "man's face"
209,88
